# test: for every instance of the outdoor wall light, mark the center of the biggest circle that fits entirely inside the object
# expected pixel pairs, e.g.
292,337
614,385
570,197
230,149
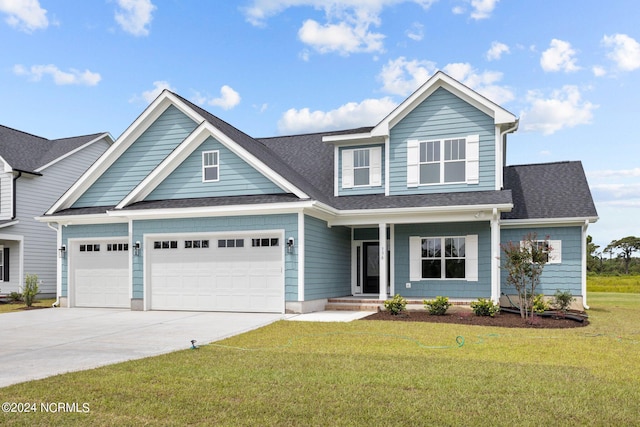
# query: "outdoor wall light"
290,242
62,251
136,249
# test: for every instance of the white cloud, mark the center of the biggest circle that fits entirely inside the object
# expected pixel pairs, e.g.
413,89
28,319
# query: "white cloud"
149,95
598,71
496,50
613,173
402,77
71,77
26,15
482,9
625,51
484,83
559,57
134,16
563,109
351,115
616,191
416,32
228,98
348,22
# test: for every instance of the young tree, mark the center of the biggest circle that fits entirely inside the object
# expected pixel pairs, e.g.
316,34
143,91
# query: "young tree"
593,261
627,246
524,262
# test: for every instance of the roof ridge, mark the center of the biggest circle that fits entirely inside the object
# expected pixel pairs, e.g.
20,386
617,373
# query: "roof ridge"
544,163
25,133
330,132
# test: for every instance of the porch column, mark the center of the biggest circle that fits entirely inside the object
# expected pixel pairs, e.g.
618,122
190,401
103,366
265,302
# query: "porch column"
382,237
495,256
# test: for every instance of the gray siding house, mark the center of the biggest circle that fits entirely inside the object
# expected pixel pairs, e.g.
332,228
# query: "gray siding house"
186,212
34,173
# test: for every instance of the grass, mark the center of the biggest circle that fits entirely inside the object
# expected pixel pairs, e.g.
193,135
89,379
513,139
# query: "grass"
624,284
11,307
369,373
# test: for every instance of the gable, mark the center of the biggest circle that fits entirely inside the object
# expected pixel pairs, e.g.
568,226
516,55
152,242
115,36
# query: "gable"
148,150
443,115
235,178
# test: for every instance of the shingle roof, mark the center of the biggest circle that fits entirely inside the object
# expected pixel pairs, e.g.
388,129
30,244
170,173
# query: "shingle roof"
549,190
26,152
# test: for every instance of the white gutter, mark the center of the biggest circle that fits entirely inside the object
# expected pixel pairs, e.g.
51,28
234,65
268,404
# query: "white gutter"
584,264
545,222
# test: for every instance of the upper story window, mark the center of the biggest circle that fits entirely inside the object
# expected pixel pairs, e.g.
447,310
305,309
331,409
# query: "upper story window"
362,167
443,161
210,166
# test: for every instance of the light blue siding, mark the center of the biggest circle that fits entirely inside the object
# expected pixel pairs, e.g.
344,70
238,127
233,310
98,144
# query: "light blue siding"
442,115
151,148
447,288
367,233
565,276
327,258
87,232
361,190
286,222
237,178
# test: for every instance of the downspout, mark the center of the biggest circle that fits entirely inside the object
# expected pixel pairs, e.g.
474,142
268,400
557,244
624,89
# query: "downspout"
15,205
503,137
59,267
584,264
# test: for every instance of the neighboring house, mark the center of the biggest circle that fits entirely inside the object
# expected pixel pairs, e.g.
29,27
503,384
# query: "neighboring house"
186,212
34,173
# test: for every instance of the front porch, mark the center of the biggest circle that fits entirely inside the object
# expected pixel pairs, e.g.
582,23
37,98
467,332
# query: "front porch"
373,303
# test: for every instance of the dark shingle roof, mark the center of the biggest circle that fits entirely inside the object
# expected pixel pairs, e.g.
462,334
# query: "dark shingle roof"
26,152
549,190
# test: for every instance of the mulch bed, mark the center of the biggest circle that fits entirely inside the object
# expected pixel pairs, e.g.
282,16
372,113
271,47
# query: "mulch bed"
466,317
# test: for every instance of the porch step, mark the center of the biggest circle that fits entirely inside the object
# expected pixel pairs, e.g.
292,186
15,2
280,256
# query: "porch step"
352,306
372,304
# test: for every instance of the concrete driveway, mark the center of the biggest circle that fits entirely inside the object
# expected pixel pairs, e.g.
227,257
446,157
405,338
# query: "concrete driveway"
40,343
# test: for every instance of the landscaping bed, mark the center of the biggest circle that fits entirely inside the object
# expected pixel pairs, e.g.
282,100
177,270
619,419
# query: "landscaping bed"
464,316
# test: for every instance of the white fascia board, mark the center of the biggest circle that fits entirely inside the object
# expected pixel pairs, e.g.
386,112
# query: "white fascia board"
353,139
546,222
439,214
130,135
210,211
440,79
105,135
80,219
9,224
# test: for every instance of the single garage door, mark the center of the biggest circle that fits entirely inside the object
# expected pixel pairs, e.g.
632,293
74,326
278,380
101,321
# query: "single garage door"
217,273
100,272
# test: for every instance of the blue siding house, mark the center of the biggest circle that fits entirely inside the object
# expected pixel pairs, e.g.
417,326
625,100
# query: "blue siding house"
186,212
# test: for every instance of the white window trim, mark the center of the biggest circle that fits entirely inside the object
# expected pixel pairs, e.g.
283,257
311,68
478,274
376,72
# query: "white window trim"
205,167
555,254
472,154
375,168
2,263
471,258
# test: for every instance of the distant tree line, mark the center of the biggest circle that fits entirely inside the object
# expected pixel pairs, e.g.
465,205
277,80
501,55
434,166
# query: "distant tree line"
616,258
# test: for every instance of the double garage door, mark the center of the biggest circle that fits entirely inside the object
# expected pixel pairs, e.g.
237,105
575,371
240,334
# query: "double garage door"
200,273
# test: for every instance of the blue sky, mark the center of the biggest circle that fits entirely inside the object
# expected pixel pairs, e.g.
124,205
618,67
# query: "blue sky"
570,70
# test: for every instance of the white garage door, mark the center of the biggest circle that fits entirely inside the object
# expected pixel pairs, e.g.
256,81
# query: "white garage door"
100,271
217,273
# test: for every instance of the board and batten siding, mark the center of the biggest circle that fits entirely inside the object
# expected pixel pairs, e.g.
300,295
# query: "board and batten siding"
286,222
92,231
451,288
565,276
441,116
34,195
147,152
327,264
236,177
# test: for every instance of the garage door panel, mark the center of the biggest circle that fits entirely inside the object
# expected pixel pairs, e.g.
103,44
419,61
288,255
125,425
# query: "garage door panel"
100,275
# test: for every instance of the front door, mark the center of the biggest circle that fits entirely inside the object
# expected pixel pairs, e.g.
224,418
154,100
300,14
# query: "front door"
371,268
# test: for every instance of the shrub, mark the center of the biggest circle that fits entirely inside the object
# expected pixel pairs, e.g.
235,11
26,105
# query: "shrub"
395,305
562,300
438,306
484,307
30,289
539,304
15,296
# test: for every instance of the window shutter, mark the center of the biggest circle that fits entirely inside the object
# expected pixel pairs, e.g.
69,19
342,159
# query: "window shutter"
375,166
471,257
473,159
6,264
555,254
413,163
415,258
347,169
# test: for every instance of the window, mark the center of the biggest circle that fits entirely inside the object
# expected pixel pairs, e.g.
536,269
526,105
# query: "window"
444,161
447,264
551,250
196,244
265,242
90,248
210,166
436,168
165,244
362,167
231,243
440,258
115,247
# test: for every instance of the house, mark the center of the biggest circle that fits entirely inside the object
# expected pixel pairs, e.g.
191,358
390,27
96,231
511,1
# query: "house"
34,173
186,212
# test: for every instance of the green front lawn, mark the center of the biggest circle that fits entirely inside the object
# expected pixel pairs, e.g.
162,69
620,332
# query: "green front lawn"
11,307
368,373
